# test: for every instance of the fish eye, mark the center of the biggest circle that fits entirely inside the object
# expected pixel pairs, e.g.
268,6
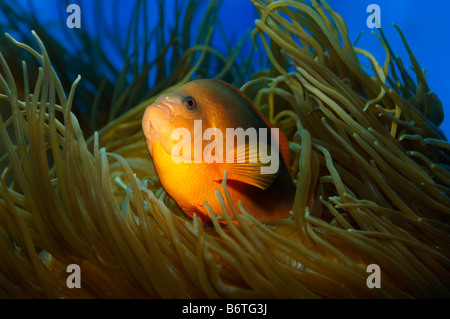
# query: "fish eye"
190,103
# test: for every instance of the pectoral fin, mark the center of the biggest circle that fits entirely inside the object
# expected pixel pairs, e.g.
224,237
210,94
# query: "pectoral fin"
242,170
281,139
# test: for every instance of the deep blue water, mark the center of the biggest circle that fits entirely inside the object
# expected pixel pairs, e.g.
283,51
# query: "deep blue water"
424,23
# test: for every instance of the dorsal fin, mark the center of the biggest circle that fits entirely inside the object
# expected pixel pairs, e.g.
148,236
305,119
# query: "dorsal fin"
283,140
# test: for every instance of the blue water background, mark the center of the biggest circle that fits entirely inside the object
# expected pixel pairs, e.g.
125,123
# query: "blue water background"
424,23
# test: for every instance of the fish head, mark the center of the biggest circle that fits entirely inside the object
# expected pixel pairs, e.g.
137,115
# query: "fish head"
175,110
206,100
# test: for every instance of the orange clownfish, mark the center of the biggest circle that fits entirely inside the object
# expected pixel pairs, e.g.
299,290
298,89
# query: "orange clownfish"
205,127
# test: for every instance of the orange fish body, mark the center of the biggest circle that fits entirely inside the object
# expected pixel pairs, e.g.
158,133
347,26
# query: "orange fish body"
190,177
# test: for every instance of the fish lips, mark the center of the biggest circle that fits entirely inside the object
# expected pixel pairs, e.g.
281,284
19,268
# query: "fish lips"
166,109
154,120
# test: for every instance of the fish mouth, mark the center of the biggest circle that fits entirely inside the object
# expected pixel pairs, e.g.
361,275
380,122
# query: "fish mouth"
149,128
167,110
152,136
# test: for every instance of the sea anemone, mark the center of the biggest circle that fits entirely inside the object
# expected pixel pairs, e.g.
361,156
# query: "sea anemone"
368,159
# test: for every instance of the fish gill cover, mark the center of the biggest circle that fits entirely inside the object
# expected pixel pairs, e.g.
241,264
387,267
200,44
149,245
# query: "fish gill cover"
78,187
